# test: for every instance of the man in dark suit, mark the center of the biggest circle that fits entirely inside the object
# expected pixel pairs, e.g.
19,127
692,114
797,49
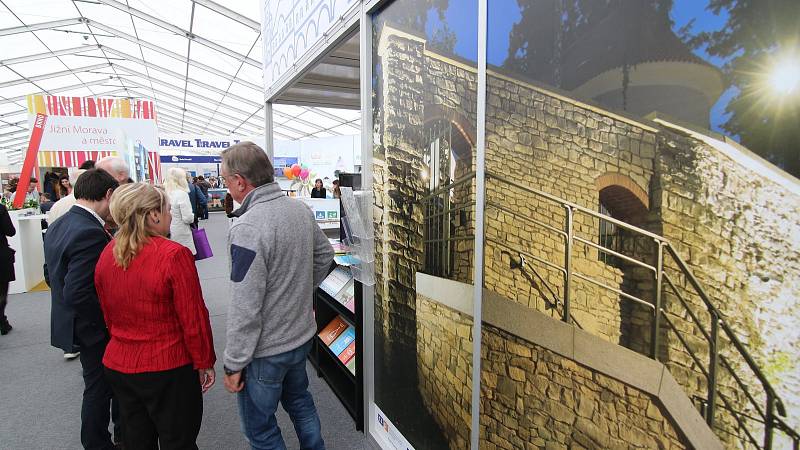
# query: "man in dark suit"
72,247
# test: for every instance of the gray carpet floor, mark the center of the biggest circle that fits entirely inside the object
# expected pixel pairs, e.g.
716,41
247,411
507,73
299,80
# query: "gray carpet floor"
40,392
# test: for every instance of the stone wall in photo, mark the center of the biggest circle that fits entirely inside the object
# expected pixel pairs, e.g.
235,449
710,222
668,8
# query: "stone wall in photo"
530,397
734,223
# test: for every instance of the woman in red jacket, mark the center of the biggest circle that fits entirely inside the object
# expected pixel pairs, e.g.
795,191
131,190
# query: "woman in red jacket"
160,359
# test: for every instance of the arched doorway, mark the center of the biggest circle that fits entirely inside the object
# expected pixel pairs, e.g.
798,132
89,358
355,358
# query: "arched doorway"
621,198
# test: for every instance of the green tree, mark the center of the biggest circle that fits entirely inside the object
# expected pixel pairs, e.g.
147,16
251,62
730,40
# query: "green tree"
757,35
413,16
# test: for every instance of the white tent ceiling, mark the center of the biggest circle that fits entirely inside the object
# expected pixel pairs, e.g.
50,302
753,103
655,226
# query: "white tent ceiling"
199,60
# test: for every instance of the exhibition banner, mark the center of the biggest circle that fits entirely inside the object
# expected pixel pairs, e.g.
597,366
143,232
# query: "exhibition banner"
123,127
194,144
99,133
291,28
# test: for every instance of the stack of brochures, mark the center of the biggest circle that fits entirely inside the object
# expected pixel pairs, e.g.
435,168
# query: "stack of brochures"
339,285
340,338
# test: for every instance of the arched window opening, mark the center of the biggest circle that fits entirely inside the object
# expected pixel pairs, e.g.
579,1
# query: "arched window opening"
624,205
447,158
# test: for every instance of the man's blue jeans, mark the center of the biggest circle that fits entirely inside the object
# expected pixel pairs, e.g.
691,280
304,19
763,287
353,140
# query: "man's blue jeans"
279,378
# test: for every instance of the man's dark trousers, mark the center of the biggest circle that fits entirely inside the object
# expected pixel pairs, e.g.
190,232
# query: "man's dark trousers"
96,400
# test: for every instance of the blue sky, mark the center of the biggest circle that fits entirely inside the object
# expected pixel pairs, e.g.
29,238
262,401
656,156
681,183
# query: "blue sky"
461,17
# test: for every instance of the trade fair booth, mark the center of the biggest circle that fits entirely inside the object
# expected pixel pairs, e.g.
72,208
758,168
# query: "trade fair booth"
325,158
66,132
519,198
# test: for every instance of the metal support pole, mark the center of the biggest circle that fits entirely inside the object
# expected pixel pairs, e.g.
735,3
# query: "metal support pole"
446,225
269,131
655,332
480,232
713,350
568,262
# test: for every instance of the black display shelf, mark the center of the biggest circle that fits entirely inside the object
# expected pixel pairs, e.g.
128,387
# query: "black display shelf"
348,387
347,315
340,380
326,353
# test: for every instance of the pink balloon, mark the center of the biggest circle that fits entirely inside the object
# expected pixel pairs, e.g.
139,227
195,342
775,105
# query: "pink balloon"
304,174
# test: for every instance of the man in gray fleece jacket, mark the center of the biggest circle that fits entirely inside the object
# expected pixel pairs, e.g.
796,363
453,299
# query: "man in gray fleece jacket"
278,257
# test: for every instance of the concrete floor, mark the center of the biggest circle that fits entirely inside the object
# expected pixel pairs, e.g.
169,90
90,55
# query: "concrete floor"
40,392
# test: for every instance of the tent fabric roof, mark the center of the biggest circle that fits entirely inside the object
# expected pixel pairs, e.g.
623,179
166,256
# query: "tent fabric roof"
199,60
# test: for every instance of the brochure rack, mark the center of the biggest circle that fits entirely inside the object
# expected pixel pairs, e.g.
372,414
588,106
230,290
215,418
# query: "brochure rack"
347,384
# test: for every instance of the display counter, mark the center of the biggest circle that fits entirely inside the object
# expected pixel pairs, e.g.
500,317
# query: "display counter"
29,245
326,212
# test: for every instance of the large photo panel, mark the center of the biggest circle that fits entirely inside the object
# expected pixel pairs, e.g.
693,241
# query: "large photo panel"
425,116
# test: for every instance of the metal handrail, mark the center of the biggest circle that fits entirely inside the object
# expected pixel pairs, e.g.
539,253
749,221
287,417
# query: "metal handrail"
534,257
773,402
616,254
575,206
664,250
522,265
728,331
447,187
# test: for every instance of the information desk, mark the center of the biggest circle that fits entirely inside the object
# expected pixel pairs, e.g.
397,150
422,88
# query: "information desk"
28,243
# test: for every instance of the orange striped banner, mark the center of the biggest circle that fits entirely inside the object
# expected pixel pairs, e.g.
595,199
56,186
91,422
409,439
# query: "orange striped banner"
91,106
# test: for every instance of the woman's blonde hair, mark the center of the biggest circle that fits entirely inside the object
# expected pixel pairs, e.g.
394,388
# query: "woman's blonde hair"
130,205
176,180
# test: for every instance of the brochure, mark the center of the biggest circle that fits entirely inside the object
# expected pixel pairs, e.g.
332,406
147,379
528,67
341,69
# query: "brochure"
333,330
336,281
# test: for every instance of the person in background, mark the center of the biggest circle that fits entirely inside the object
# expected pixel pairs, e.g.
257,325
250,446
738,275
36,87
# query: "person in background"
160,331
64,186
196,197
72,246
47,203
228,205
64,204
270,316
116,166
319,190
86,165
32,193
50,184
181,208
337,193
203,206
6,266
44,207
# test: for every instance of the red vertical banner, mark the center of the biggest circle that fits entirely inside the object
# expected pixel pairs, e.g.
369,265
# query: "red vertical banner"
30,160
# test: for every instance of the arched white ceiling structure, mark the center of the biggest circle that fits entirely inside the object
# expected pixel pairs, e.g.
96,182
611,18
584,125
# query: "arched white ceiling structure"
199,60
